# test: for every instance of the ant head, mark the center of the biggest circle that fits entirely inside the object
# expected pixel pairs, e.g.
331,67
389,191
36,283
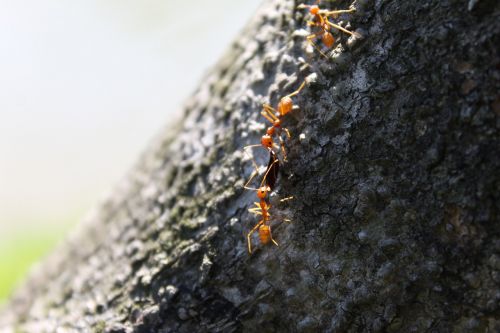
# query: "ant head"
314,9
267,141
262,192
285,105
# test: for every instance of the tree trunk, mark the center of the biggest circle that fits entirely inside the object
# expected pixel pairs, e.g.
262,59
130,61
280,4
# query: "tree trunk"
393,163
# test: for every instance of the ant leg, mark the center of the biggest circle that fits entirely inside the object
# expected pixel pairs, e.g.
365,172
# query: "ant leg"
283,150
298,90
287,198
246,187
252,176
249,235
269,113
269,168
304,6
256,171
310,40
251,156
256,210
271,235
287,132
265,115
336,12
279,148
336,26
269,109
282,143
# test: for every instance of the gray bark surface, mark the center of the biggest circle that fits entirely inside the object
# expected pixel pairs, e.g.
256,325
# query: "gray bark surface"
396,178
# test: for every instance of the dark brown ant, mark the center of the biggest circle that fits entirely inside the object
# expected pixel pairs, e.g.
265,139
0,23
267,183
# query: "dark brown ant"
273,168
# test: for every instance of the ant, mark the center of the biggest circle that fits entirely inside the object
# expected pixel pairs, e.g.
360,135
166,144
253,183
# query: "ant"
285,105
263,226
262,207
323,24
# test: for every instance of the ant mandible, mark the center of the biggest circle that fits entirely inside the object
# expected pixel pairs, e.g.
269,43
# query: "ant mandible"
323,24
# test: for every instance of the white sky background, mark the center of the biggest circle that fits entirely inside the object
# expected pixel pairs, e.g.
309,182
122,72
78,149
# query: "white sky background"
85,84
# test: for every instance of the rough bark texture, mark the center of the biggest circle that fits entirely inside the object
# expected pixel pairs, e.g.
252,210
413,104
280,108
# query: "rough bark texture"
395,223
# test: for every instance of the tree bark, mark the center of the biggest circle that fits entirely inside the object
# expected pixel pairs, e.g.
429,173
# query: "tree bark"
393,164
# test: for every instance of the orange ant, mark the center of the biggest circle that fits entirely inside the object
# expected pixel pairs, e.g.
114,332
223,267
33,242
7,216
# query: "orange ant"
263,226
323,24
285,105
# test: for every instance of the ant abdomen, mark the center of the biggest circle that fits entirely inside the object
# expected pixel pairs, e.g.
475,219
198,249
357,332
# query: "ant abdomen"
285,105
328,39
264,234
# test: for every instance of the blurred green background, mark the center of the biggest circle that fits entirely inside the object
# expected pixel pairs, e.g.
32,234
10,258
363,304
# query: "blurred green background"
21,249
84,85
